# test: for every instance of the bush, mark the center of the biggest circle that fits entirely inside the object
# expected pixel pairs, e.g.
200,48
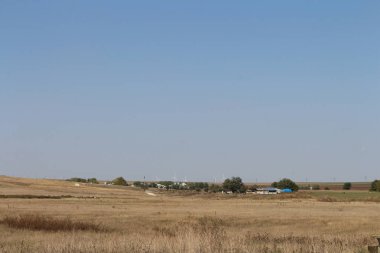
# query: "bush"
375,186
347,186
234,184
286,183
120,181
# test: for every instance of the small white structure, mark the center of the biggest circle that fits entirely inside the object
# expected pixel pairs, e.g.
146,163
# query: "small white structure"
161,186
268,191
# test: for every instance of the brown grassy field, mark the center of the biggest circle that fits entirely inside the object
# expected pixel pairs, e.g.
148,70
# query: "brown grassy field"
57,216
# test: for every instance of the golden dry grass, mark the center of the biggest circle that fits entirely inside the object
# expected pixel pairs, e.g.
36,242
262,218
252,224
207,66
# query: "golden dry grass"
43,222
171,222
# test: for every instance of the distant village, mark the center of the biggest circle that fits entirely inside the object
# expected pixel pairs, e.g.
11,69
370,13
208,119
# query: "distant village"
233,185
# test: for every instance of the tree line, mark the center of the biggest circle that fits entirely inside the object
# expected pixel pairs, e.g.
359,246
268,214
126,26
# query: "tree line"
233,184
116,181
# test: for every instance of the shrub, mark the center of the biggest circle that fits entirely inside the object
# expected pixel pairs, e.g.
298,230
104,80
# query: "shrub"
347,186
120,181
39,222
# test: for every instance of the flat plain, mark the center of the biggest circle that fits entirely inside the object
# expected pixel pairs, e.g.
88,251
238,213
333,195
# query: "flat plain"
133,220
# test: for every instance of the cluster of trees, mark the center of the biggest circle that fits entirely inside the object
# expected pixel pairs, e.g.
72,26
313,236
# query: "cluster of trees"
116,181
286,183
215,188
83,180
234,184
144,185
375,186
198,186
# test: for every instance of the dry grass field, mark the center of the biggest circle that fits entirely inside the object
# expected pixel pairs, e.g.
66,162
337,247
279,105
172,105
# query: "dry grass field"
56,216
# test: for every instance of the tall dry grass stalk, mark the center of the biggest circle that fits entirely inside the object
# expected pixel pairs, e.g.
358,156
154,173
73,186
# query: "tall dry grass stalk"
40,222
203,235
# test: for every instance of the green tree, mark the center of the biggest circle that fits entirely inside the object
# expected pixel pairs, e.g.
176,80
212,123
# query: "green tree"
234,184
286,183
77,179
138,183
274,184
375,186
120,181
347,186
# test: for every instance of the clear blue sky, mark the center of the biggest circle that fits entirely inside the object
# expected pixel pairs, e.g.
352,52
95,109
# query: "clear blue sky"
190,89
